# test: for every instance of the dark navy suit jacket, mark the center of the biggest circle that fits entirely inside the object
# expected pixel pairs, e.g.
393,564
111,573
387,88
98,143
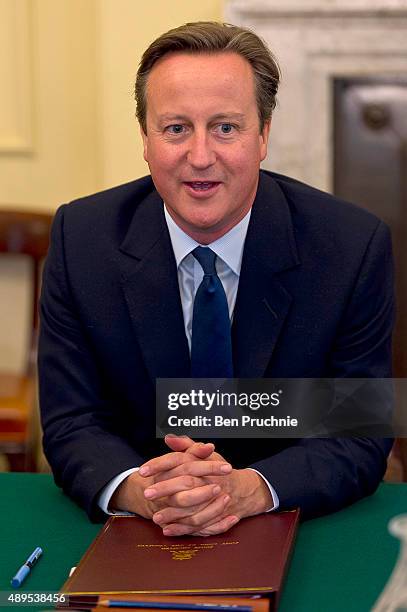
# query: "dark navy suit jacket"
315,299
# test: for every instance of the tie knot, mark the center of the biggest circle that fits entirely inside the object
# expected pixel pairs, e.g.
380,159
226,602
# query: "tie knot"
206,257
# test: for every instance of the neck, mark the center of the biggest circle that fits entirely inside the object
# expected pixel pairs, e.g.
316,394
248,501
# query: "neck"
208,235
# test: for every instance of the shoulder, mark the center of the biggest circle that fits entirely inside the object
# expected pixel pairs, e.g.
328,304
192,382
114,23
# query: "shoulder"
106,212
111,201
313,206
324,228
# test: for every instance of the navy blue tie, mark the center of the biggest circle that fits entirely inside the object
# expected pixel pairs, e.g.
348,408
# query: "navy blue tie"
211,348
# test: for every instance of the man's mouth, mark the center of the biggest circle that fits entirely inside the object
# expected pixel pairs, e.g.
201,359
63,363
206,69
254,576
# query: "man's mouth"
201,185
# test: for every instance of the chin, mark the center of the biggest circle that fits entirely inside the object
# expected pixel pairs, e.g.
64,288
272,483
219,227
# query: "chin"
204,224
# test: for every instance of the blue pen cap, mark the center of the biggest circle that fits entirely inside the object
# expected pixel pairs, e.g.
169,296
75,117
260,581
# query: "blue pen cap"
19,577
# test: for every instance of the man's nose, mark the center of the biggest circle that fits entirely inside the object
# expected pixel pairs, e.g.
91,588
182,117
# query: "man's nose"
201,153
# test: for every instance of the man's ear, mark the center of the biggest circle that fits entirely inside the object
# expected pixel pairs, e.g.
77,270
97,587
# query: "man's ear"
264,138
145,144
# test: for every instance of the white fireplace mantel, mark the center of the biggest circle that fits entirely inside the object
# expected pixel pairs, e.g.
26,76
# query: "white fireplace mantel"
316,41
322,8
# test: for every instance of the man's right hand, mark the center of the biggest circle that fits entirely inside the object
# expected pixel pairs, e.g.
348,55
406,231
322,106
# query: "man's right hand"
243,492
129,495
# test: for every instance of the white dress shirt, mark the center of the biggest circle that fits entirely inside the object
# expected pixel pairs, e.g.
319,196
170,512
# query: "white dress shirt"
229,251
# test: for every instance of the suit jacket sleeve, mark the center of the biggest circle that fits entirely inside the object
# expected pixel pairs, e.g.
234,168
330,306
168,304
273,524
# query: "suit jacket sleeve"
81,440
323,475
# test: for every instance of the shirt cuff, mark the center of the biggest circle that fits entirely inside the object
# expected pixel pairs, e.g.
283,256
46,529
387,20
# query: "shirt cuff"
273,493
108,490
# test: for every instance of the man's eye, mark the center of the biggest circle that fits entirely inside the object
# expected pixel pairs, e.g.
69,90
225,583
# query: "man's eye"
175,129
226,128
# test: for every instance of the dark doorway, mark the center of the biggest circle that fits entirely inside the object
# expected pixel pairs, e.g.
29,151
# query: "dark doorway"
370,169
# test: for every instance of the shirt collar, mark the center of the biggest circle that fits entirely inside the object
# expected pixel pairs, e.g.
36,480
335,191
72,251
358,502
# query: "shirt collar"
228,247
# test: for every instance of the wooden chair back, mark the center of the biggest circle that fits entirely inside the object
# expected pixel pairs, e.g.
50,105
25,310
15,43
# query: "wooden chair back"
22,233
26,233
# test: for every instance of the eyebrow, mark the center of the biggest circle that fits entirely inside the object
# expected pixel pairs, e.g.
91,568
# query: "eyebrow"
218,117
235,116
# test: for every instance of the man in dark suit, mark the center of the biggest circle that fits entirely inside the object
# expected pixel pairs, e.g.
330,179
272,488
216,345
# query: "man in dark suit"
305,281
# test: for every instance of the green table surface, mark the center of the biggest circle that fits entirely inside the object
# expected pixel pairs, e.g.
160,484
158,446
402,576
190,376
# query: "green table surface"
340,562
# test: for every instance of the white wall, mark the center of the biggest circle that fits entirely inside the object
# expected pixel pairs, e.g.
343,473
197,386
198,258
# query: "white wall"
67,125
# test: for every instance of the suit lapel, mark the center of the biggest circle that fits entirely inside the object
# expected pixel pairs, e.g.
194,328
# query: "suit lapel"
262,302
150,285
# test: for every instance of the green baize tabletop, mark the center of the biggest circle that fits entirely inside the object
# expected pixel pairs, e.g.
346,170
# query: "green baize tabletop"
340,562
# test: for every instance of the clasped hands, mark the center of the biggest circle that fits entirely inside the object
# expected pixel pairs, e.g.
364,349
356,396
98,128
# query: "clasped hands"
192,490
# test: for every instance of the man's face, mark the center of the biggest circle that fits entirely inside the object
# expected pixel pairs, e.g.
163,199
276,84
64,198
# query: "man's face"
203,144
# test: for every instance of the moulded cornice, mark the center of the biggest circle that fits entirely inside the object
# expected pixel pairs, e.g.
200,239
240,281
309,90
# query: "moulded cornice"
317,8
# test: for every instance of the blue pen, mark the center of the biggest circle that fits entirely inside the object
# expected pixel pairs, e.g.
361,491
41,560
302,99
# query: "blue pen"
26,568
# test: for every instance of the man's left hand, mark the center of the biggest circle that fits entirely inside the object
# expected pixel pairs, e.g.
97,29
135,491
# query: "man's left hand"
243,493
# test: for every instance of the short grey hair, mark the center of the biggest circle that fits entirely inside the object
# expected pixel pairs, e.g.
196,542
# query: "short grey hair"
214,37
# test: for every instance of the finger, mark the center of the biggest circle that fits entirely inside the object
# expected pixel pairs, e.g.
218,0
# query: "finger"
178,529
201,450
168,462
178,443
171,514
197,518
185,444
163,463
219,527
186,483
193,497
198,469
